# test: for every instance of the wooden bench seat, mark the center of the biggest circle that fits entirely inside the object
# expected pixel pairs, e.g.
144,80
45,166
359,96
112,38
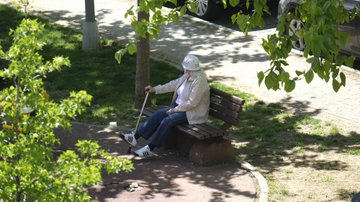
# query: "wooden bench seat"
204,143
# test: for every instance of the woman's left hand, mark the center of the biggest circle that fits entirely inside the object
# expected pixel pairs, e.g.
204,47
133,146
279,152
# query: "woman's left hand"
170,111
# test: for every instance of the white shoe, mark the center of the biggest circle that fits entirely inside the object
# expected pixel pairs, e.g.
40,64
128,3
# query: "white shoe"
144,152
129,137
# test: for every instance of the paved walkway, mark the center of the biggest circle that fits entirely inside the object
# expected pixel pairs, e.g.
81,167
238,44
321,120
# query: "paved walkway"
168,176
228,57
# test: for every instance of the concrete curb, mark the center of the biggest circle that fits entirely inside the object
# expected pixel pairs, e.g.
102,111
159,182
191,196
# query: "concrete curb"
260,180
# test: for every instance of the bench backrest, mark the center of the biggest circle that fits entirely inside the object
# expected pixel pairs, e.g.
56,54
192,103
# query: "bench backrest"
225,107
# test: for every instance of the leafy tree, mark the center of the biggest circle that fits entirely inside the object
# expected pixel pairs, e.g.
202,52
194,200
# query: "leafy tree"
29,168
319,32
146,29
22,4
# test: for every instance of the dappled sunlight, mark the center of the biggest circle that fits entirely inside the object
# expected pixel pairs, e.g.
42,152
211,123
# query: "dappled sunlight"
273,137
187,38
168,174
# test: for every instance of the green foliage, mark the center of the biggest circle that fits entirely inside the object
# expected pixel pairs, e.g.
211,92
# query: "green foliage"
22,4
353,151
247,22
319,33
28,169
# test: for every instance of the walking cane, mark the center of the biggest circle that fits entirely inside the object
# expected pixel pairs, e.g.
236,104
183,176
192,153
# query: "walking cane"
137,124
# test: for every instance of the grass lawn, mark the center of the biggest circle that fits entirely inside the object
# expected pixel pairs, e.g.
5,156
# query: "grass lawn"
303,159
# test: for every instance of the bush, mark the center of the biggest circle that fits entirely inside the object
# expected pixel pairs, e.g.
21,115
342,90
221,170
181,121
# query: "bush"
28,169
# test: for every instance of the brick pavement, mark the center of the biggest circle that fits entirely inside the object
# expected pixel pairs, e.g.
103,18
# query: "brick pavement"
168,176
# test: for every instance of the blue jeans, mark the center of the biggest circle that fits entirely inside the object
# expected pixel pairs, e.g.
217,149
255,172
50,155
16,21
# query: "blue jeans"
159,125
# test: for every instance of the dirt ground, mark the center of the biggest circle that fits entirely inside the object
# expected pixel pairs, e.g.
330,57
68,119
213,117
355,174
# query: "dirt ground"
313,169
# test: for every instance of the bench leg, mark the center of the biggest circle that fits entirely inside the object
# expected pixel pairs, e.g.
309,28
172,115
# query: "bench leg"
203,152
179,141
212,151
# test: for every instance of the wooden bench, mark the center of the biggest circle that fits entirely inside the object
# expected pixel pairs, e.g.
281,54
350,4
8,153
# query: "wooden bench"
205,143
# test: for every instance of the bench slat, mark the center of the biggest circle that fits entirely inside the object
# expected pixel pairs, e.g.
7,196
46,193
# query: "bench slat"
223,117
212,131
228,104
229,97
193,131
226,111
201,131
224,106
196,132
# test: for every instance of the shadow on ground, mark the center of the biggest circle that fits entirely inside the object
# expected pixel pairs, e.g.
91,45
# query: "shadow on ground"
275,139
167,176
187,38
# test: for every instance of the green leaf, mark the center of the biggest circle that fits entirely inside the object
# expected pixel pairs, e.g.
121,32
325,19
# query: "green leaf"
335,72
119,54
290,85
343,38
342,79
321,72
313,60
234,3
175,17
132,48
350,61
144,5
260,76
224,3
298,73
183,10
336,85
233,18
327,77
281,25
129,12
284,76
87,147
173,1
277,63
192,7
284,62
327,66
309,75
271,81
268,82
2,54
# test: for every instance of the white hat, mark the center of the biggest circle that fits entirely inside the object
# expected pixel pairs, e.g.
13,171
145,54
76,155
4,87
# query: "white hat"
191,63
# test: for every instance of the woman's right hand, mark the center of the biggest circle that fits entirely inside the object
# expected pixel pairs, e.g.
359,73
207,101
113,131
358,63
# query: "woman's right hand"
149,89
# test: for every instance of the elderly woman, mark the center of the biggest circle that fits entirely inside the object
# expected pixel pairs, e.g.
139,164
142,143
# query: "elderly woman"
190,104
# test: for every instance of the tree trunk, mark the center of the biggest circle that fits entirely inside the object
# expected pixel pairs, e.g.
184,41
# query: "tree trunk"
142,64
91,38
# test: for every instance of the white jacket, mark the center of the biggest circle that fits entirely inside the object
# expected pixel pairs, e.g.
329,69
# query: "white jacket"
196,94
